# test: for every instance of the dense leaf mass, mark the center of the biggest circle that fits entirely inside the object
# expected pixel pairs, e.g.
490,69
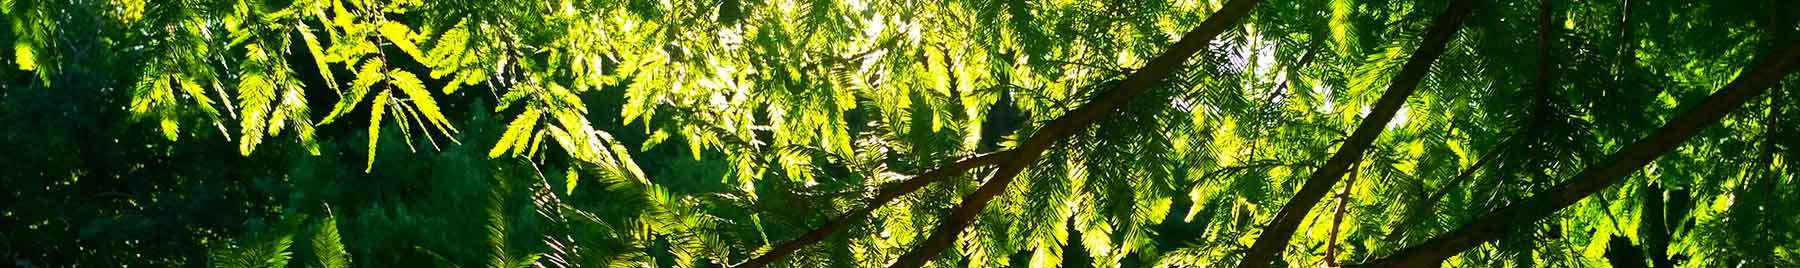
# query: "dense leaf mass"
899,133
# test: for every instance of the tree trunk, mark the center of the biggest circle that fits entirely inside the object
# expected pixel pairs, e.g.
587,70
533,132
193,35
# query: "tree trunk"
1077,120
1751,82
1276,235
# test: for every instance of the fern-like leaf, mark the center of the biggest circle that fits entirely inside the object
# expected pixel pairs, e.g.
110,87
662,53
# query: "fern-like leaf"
255,92
328,247
422,101
366,77
375,111
318,54
516,133
401,36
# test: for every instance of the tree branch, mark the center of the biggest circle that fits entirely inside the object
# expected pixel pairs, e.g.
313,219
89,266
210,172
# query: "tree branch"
1337,221
1087,65
1251,165
1771,130
1627,42
1076,120
1777,31
1654,229
1540,116
886,195
1275,236
1751,82
1545,63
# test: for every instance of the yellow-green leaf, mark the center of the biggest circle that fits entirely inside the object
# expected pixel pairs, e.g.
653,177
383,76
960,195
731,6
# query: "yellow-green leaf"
399,111
452,86
513,96
622,155
293,101
255,92
171,129
422,100
448,51
142,100
328,247
514,132
935,63
375,111
537,141
194,90
366,77
23,54
566,98
318,54
570,182
401,36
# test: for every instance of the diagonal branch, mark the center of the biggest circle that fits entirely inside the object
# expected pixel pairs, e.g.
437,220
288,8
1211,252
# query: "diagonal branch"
886,195
1076,120
1276,235
1751,82
1540,116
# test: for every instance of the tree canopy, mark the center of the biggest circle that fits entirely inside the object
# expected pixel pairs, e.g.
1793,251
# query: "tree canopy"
899,133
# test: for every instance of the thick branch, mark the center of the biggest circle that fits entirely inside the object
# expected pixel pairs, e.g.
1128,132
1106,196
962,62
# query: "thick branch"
1275,236
886,195
1751,82
1061,128
1540,116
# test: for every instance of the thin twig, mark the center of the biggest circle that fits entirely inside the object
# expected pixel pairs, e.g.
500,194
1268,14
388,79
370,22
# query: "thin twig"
1087,65
1337,221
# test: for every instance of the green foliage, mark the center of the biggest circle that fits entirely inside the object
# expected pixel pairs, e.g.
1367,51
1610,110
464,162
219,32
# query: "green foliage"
328,246
267,252
704,133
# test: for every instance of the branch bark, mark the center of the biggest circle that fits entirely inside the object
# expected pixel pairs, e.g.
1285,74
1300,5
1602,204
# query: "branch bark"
1751,82
1067,125
880,199
1275,236
1540,116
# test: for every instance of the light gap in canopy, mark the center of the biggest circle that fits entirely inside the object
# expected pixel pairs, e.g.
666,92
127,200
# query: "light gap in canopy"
1399,118
1265,58
1330,103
